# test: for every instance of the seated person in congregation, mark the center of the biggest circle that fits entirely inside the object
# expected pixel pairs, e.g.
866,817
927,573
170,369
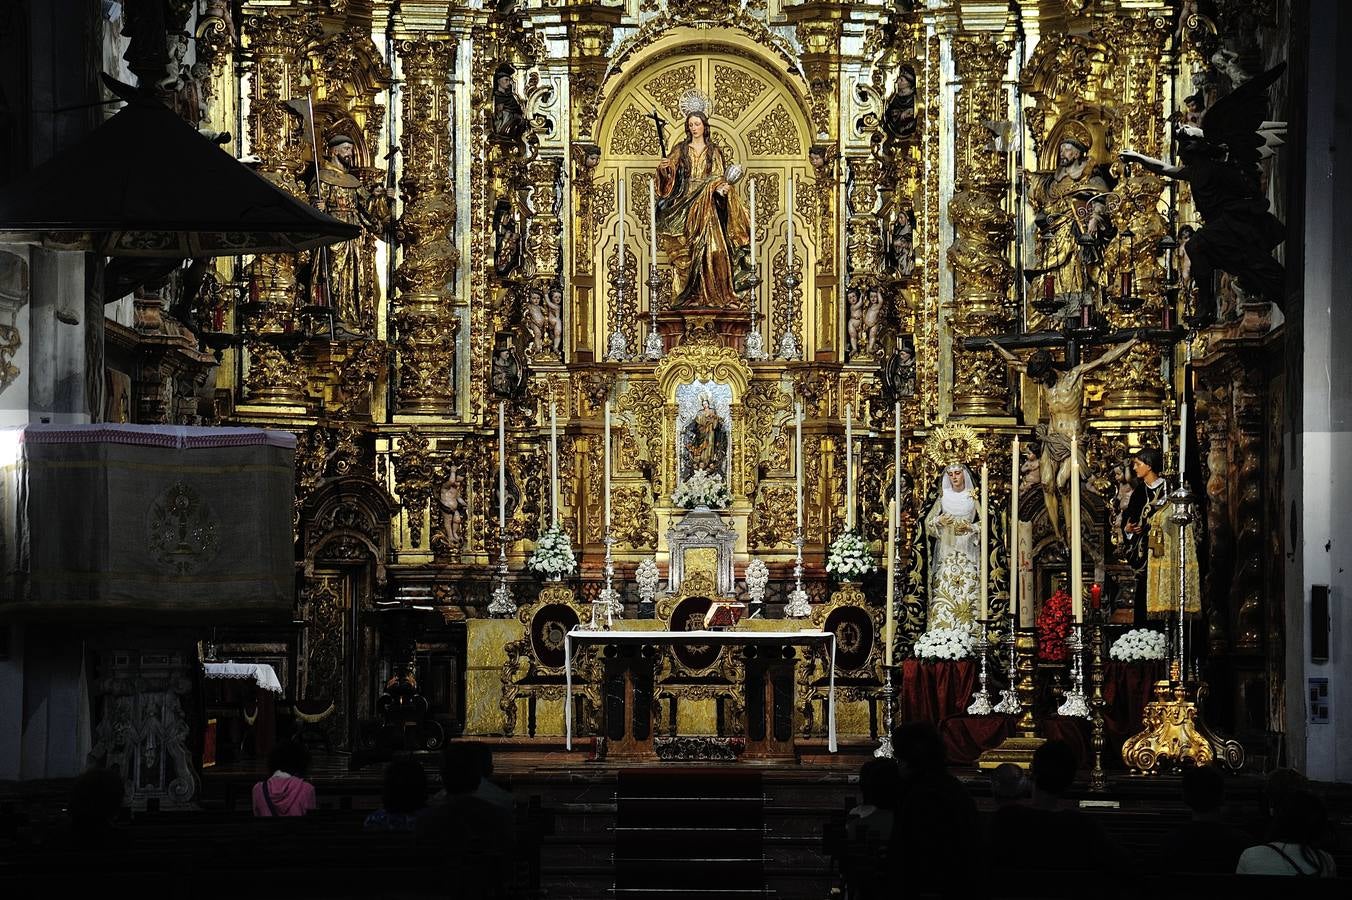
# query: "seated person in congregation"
405,795
936,822
880,785
1051,833
94,808
285,792
1208,843
482,832
1299,830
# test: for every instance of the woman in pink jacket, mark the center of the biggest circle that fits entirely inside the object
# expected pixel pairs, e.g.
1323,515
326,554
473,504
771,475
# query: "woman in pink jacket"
285,792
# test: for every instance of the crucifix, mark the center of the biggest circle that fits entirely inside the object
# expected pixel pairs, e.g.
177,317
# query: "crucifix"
661,125
1062,390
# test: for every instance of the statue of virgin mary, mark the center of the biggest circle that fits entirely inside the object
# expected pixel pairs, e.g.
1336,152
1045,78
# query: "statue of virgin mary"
955,577
701,219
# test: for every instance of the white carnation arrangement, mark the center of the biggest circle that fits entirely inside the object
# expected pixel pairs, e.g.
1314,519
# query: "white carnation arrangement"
702,489
1138,645
553,554
944,643
849,557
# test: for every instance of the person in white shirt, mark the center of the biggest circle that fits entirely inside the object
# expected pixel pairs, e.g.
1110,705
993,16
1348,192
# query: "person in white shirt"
1299,826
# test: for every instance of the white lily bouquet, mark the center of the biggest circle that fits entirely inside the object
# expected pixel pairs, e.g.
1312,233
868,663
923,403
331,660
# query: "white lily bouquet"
1138,645
702,489
553,554
944,643
849,557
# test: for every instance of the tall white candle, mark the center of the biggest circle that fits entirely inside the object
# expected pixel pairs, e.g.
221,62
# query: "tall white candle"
502,465
1076,582
1014,532
798,460
553,463
893,525
605,451
652,222
849,466
751,189
889,631
1183,444
985,542
789,251
619,211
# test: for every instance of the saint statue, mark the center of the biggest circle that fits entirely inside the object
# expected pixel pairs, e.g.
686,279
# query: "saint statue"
706,440
701,221
1074,224
1153,545
1062,396
345,274
955,575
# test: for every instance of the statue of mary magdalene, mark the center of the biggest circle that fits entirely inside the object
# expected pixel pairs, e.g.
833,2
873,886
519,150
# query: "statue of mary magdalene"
702,220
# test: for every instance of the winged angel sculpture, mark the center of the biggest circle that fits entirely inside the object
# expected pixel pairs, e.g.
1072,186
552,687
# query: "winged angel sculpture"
1220,161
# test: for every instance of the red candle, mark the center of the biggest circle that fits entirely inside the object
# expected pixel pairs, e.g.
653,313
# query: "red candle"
1096,595
1126,283
1049,287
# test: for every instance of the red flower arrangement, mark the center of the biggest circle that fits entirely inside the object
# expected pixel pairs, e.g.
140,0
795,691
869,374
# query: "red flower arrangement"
1053,627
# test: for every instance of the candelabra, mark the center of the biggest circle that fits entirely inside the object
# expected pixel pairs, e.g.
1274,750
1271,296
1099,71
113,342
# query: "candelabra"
652,347
502,603
788,341
981,701
617,345
1009,698
607,600
1098,779
884,750
798,607
755,344
1075,703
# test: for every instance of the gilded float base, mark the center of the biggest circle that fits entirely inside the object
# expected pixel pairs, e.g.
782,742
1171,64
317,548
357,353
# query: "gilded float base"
1017,750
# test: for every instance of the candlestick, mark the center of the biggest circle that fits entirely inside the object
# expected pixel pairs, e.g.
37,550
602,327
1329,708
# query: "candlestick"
1076,588
619,211
1014,533
751,190
606,453
1183,444
553,463
849,466
502,467
889,628
893,525
985,543
788,256
798,461
652,222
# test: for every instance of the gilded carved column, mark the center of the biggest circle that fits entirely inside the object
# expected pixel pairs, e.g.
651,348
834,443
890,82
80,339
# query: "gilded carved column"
274,43
1141,60
982,227
424,321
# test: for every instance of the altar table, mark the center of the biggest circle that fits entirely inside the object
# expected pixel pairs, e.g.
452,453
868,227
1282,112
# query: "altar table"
582,636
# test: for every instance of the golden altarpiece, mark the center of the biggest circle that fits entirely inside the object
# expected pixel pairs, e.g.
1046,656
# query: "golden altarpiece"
923,180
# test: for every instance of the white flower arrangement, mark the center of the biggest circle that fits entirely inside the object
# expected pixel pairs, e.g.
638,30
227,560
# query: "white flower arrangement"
1138,645
944,643
849,557
702,489
553,554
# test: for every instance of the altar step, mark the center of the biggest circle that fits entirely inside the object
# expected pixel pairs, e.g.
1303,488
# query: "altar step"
683,834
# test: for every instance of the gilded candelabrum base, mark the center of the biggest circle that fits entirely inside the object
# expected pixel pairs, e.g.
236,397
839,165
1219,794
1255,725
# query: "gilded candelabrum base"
1174,733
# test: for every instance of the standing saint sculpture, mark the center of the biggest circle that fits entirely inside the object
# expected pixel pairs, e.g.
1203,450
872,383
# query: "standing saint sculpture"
702,221
1074,222
706,442
955,576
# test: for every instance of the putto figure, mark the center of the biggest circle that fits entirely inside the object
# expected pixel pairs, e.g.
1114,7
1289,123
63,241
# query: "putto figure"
701,220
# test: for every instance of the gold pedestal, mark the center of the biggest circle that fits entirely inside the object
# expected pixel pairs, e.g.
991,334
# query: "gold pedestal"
1174,731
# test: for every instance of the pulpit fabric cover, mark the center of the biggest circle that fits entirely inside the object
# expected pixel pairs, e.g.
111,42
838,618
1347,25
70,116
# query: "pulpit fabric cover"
149,518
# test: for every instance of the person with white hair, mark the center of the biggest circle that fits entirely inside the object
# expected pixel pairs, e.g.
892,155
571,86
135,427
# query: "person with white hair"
955,536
